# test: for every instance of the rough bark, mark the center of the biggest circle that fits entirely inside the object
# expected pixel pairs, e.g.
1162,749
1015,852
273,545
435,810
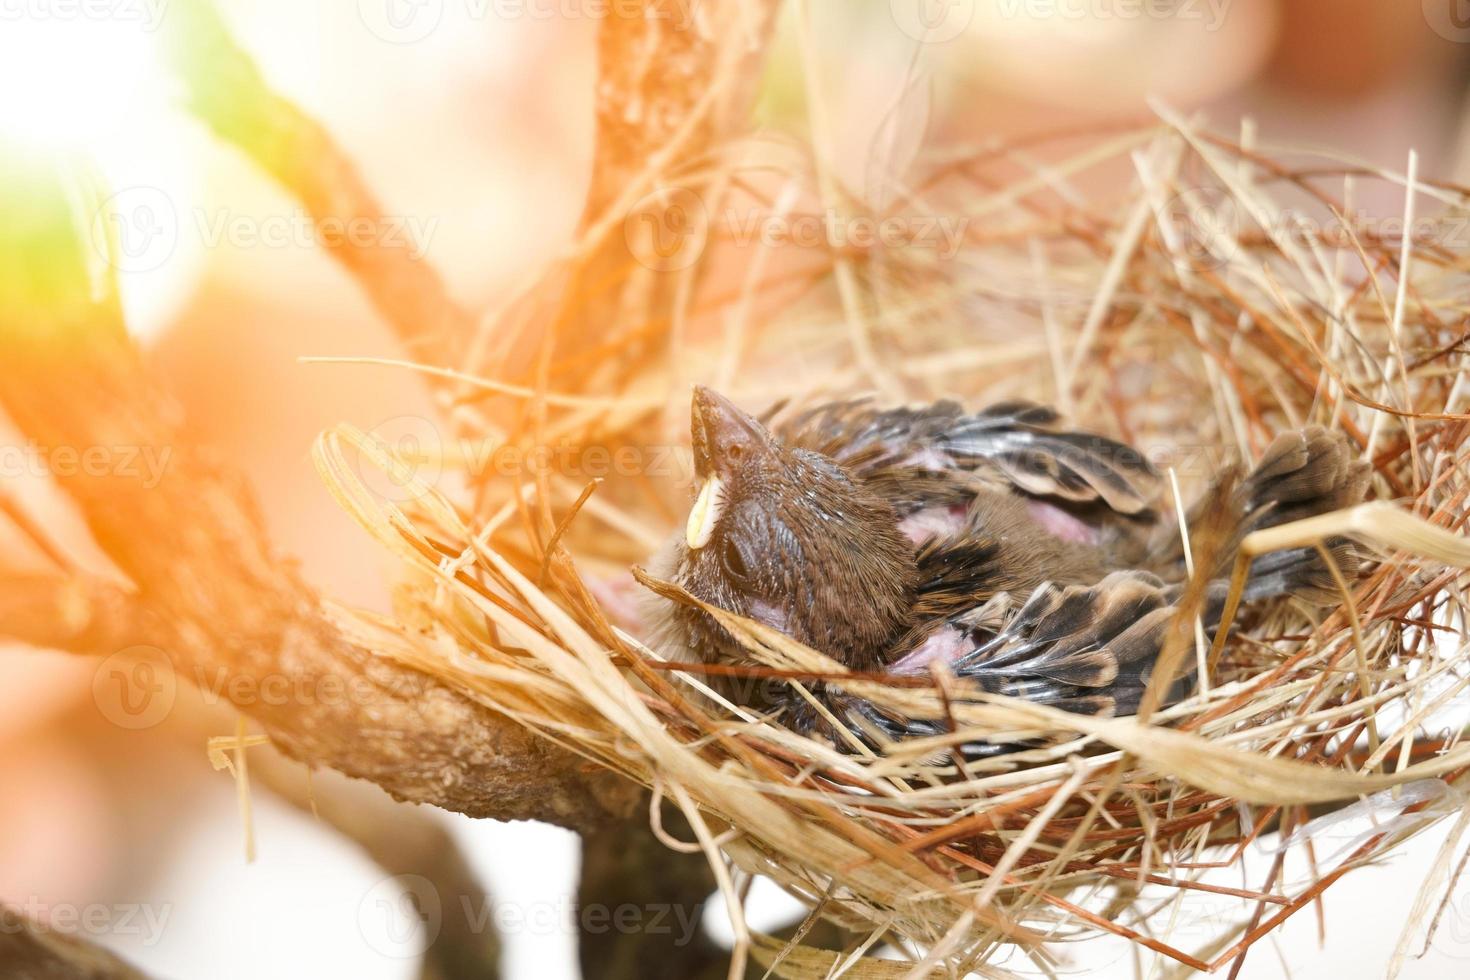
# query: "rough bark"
675,79
30,951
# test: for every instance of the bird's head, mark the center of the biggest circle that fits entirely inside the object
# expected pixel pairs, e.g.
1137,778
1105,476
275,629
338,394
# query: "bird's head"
789,538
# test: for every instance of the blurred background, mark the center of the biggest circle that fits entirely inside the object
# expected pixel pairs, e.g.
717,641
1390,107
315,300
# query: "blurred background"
472,120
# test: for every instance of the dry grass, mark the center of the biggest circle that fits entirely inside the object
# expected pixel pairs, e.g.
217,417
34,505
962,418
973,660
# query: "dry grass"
1166,285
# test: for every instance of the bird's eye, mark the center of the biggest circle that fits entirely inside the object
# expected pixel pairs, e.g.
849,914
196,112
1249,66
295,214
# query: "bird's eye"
733,561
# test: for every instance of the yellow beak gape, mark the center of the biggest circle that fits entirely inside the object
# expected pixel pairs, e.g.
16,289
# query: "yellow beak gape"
705,513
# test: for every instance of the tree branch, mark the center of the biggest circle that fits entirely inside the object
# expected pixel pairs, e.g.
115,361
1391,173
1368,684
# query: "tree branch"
31,951
226,91
211,593
669,89
628,867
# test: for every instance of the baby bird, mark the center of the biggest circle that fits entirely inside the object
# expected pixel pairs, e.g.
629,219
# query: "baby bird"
891,539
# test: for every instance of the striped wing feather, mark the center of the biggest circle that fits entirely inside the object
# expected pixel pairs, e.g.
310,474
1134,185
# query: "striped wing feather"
1018,441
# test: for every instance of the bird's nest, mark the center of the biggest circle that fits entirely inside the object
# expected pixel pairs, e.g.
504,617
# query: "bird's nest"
1170,287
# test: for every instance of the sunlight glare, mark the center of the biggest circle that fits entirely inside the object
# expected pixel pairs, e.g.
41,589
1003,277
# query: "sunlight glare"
87,80
69,82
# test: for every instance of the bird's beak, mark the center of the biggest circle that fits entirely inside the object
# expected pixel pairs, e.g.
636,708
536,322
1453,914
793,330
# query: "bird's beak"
704,415
715,425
